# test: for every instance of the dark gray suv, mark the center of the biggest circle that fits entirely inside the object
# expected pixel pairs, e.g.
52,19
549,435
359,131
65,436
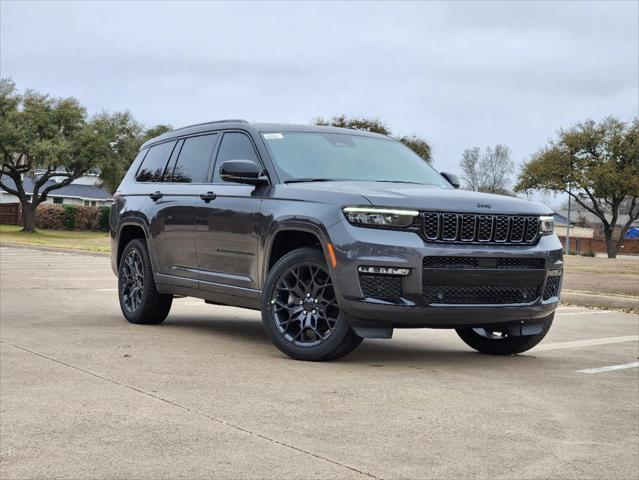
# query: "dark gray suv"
335,235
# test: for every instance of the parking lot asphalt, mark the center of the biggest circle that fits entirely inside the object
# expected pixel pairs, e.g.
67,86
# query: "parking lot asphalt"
84,394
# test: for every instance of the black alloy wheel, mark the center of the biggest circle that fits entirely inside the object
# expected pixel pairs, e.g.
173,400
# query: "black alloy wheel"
300,309
304,305
139,298
498,342
132,286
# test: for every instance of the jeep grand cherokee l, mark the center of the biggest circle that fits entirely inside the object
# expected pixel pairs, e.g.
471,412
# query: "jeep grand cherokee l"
335,235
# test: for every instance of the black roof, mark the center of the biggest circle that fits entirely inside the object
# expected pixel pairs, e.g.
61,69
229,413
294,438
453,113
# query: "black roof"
90,192
257,127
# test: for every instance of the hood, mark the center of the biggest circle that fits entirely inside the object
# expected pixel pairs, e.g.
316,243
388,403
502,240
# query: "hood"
426,197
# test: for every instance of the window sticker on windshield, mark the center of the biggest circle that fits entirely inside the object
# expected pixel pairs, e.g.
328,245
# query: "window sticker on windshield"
273,136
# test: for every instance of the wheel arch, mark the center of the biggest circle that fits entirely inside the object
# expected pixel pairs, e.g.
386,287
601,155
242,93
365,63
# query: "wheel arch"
131,230
289,237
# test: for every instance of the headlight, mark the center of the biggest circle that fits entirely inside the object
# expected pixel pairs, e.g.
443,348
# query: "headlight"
546,224
380,217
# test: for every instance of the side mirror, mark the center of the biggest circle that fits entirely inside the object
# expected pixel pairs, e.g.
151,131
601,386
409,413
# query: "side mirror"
242,171
451,178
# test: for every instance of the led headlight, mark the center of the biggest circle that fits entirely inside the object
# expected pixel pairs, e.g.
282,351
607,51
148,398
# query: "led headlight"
380,217
546,224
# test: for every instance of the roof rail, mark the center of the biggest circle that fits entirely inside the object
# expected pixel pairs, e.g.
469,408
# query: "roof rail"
231,120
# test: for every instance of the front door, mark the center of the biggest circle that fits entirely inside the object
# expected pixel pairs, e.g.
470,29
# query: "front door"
226,225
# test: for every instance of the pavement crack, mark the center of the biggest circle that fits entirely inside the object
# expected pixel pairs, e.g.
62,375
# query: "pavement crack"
196,412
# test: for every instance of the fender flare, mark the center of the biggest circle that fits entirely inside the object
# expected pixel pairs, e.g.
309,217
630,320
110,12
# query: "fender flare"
140,223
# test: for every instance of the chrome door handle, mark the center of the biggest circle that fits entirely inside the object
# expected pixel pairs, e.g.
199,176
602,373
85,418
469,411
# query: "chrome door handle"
208,196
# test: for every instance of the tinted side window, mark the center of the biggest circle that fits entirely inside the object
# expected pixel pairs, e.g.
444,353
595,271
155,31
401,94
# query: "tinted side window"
154,163
168,171
235,146
195,158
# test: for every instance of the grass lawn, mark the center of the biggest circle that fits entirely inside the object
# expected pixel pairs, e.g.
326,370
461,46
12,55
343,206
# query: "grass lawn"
618,276
88,241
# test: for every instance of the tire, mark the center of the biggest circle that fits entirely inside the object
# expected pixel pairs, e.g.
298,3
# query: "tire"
140,300
315,330
483,341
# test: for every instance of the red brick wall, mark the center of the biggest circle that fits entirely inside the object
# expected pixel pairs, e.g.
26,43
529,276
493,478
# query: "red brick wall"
598,245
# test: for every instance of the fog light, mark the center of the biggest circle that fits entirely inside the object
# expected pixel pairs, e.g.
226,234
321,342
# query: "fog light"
554,273
385,270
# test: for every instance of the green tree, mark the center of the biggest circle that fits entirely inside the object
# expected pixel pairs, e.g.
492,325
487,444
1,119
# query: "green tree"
415,143
125,136
42,137
418,145
119,137
597,164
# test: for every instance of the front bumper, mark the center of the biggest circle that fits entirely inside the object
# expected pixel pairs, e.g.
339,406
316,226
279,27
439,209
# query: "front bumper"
357,246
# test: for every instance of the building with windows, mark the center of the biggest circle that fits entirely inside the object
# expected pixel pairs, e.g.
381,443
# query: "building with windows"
83,191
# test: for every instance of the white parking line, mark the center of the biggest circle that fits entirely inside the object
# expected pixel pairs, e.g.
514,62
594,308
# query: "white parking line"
591,312
586,343
107,290
611,368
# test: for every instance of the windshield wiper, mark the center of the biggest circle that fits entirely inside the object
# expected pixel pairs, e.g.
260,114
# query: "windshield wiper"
304,180
401,181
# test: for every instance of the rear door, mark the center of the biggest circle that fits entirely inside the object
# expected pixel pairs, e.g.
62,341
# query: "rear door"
226,224
169,180
186,172
169,212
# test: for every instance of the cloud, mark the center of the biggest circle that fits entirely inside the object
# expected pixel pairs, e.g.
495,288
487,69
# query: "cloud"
458,73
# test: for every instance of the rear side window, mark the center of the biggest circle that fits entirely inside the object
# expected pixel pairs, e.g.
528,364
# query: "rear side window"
235,146
192,165
152,167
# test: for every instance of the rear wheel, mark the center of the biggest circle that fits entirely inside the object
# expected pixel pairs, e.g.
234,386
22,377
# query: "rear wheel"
140,300
493,341
300,310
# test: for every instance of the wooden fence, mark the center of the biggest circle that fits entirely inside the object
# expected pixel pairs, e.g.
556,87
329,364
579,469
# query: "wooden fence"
10,213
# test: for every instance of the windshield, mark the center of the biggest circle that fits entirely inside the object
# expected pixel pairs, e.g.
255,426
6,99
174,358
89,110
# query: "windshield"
310,156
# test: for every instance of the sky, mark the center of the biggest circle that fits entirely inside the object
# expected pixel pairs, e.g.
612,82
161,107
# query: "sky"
459,74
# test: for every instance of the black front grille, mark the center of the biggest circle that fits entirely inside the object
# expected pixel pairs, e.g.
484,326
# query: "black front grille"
451,262
472,228
521,263
484,262
480,294
552,287
382,287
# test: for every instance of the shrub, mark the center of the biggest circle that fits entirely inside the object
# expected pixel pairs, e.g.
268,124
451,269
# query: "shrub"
50,217
87,218
588,254
105,212
70,213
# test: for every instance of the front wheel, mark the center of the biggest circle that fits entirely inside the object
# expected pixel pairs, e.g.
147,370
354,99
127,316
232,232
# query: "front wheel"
300,311
498,342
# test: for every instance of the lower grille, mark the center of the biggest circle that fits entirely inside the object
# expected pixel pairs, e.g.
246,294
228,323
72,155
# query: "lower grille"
552,287
483,262
480,294
381,287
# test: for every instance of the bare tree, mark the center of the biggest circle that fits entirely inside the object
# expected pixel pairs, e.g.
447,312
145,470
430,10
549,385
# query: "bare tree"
487,172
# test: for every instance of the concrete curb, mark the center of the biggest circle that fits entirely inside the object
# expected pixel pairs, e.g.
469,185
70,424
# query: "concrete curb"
593,300
55,249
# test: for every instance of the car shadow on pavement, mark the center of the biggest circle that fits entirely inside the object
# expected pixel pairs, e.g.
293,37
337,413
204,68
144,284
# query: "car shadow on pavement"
247,330
371,352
